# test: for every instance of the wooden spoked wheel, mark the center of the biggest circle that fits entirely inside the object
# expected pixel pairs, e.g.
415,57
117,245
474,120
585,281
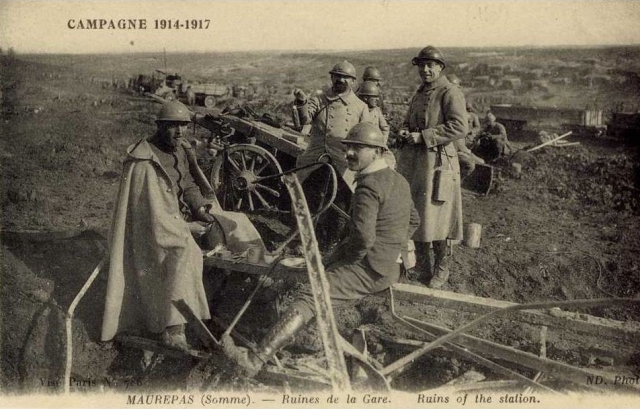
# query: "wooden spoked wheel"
237,176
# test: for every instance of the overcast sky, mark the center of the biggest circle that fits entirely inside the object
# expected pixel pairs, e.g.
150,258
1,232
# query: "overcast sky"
43,26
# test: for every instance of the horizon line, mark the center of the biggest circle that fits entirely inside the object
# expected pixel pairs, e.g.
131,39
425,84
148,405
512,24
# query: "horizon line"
484,47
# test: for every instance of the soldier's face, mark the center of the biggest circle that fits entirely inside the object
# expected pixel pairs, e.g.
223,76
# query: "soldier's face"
171,131
371,101
360,156
429,71
341,83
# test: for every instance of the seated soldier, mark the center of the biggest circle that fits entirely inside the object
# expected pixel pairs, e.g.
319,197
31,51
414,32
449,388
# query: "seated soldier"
154,258
365,262
492,142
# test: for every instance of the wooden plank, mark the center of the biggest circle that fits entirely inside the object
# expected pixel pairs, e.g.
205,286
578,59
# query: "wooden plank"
304,380
244,266
319,286
549,367
158,347
197,325
583,323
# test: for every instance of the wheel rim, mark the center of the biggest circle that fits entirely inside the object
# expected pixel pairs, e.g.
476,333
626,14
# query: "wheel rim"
209,101
236,176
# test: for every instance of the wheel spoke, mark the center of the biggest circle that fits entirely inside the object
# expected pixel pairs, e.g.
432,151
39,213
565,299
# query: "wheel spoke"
239,203
273,192
262,200
244,160
234,164
253,163
266,165
250,200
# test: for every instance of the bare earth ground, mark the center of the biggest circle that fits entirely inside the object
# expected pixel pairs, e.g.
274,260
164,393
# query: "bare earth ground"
567,229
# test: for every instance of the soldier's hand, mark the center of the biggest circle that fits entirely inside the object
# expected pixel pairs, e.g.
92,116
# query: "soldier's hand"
204,216
414,138
299,95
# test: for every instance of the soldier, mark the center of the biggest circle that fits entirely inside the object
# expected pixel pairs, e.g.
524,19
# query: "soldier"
370,94
492,142
382,220
331,116
154,257
429,161
473,123
373,74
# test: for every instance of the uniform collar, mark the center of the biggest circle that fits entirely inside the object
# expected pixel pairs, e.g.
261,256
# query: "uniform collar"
439,82
374,166
346,97
141,150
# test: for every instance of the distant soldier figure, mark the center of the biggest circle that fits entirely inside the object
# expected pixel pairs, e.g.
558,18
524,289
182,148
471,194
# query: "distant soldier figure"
473,122
331,116
373,74
191,96
370,94
492,142
429,161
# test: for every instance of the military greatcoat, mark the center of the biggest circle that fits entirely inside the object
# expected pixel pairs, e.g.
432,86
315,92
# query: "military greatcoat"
438,112
331,117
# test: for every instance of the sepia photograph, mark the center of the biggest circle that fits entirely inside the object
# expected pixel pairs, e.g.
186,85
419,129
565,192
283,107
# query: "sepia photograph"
320,203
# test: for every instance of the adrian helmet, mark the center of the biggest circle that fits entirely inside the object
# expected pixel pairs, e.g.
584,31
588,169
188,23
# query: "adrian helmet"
174,111
344,68
429,53
365,133
371,74
369,88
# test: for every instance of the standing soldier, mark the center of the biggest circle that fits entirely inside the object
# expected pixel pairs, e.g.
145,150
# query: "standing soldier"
373,74
331,116
429,161
370,94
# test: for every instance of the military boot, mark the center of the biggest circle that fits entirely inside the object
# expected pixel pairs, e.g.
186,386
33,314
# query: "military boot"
278,337
441,265
422,271
175,337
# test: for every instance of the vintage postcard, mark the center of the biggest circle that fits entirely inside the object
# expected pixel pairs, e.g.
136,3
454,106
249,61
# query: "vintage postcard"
276,204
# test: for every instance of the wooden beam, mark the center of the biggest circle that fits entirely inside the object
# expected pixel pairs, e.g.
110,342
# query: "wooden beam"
551,368
304,380
557,318
156,346
197,325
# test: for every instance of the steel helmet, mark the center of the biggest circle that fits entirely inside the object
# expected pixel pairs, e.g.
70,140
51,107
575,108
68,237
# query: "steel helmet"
174,111
429,53
344,68
365,133
371,73
369,88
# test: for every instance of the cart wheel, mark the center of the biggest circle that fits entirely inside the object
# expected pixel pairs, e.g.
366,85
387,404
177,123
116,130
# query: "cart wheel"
209,101
236,178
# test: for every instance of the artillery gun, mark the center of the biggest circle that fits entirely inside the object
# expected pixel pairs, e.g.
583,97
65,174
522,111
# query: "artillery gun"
250,152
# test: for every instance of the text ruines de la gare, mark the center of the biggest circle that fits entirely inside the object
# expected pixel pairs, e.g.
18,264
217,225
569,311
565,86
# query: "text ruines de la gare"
138,24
